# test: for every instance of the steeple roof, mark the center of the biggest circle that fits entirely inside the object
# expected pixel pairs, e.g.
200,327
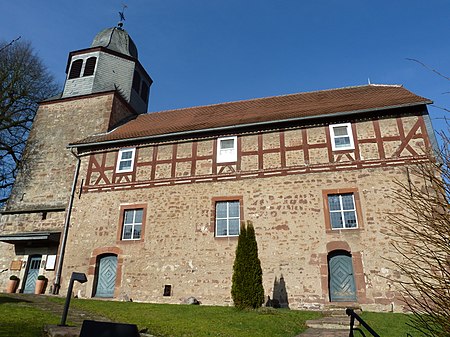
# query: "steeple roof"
116,39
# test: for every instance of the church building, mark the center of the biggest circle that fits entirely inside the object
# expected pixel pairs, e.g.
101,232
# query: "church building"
149,205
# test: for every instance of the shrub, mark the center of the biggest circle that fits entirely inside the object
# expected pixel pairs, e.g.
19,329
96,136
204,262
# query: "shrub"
14,278
42,278
247,290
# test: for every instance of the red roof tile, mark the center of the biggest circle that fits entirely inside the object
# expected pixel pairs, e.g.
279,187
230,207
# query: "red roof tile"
269,109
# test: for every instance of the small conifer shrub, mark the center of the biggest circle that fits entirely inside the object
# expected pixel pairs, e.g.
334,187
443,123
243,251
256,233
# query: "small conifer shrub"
247,290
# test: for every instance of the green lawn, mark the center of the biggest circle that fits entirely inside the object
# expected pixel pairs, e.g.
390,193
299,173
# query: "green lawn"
20,318
389,324
199,321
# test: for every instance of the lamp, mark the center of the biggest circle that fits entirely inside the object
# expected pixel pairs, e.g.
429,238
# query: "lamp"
80,277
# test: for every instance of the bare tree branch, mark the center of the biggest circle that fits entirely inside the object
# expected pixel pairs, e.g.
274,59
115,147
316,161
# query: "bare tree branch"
422,240
427,67
24,81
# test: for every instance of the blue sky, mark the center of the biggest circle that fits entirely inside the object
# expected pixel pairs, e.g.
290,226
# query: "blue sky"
210,51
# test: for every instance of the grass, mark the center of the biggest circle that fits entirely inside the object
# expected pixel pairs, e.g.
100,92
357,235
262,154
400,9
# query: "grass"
20,318
389,324
201,321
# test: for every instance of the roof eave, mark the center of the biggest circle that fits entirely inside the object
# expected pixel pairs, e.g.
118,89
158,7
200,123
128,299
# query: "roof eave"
234,126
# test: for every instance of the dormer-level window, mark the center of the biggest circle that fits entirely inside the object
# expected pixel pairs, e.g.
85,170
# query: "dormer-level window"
341,137
75,69
227,149
125,160
89,67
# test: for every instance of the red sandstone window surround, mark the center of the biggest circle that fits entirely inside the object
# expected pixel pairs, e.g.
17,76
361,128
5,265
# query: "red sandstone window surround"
132,223
227,216
342,209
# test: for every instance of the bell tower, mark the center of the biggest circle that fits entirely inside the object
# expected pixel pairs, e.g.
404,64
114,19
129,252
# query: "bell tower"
105,87
110,63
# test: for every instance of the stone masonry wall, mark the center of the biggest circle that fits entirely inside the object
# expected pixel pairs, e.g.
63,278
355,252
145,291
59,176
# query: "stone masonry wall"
179,247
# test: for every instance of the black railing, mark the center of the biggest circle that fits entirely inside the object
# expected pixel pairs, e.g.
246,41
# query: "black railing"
353,316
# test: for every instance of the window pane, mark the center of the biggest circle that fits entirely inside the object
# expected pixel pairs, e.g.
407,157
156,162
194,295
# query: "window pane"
340,131
221,210
126,155
333,202
347,201
234,227
137,232
126,164
350,219
127,232
221,227
336,220
233,207
138,216
227,144
128,218
342,142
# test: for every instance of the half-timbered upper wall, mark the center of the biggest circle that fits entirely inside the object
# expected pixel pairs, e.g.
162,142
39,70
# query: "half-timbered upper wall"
380,142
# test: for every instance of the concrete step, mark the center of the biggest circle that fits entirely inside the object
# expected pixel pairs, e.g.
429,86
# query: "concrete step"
330,322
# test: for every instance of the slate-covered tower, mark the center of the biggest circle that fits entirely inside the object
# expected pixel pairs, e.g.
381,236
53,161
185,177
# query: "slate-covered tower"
111,63
105,86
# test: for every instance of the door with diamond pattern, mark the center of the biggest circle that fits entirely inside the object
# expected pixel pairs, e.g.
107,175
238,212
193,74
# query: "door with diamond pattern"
106,276
341,279
34,263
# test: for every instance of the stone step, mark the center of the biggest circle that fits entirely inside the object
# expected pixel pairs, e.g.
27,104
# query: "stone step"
330,322
337,310
324,333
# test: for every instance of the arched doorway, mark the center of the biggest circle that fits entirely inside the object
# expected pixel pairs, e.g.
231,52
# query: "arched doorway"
105,277
341,280
31,274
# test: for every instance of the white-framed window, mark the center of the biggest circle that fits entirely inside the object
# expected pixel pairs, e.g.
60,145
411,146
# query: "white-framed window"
342,211
125,160
341,136
132,224
227,149
228,218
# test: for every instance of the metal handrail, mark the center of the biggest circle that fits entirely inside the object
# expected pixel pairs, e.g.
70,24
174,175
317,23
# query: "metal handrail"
353,316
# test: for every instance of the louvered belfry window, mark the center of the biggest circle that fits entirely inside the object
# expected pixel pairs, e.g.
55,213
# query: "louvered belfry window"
75,69
90,66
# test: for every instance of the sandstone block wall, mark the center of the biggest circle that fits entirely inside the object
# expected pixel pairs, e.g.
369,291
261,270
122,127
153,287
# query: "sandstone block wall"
179,247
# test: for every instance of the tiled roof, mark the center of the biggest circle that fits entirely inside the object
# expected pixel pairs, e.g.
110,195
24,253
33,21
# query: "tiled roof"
262,110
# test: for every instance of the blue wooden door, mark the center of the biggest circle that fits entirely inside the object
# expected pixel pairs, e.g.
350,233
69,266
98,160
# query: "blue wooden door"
342,281
34,264
106,277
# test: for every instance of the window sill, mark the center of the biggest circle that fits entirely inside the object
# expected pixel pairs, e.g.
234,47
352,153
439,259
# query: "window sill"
221,238
127,242
343,230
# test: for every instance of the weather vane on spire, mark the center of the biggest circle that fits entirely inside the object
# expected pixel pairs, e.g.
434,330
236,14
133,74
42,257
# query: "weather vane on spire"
122,15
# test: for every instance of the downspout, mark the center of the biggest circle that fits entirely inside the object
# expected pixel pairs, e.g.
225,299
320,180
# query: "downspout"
62,248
